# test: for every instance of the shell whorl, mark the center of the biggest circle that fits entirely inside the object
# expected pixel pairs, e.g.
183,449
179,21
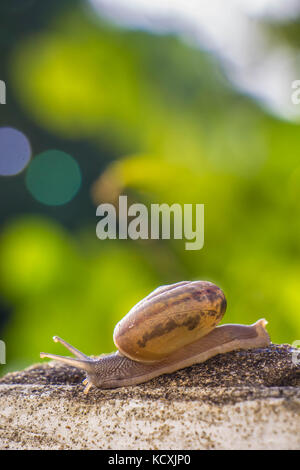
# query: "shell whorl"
168,319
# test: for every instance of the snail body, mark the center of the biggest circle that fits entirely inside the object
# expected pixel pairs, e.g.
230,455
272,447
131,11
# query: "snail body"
173,327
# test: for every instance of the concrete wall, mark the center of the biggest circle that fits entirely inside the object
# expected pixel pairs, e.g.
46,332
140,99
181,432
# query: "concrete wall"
240,400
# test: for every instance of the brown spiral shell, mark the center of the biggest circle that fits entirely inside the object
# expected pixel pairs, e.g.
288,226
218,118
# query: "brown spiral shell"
169,318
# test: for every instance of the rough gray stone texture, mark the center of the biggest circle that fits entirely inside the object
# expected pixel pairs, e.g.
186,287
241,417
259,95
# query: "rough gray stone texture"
239,400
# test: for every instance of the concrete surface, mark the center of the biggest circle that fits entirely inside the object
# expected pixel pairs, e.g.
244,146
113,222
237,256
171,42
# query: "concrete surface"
239,400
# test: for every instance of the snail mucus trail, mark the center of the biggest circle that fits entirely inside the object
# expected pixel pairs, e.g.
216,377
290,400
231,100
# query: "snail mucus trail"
173,327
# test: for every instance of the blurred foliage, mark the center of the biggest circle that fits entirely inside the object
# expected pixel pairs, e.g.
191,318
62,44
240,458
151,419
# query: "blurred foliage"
168,128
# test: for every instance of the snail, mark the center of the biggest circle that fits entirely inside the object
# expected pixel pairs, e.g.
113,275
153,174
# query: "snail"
172,328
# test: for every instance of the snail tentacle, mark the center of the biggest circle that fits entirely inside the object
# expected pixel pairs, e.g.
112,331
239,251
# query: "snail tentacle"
71,348
71,361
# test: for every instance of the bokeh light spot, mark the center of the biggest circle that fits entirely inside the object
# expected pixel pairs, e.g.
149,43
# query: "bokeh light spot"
15,151
53,177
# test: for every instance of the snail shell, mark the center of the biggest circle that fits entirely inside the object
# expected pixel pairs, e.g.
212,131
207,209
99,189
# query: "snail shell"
169,318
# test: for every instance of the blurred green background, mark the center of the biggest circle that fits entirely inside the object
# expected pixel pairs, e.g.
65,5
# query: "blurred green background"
109,110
